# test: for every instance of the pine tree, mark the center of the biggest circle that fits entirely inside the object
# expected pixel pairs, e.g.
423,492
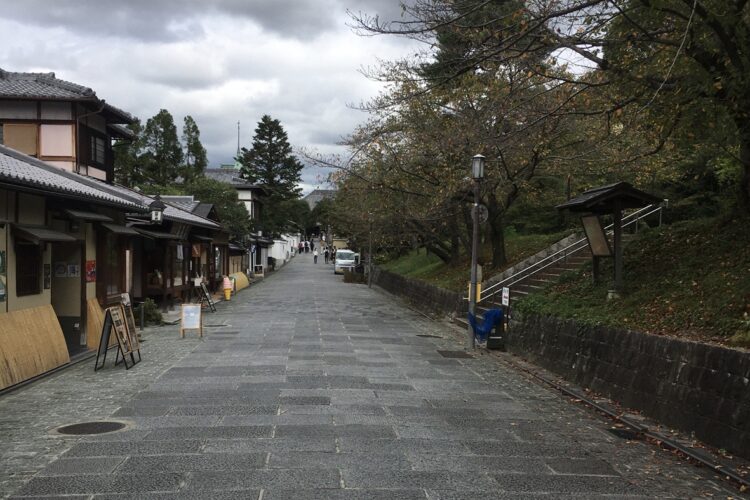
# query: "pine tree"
195,153
127,154
162,155
270,162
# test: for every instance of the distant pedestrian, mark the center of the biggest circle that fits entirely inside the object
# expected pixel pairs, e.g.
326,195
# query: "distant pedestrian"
307,246
312,246
325,254
333,255
300,246
315,256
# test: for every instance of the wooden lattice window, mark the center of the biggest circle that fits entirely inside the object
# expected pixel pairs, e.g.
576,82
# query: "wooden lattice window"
28,270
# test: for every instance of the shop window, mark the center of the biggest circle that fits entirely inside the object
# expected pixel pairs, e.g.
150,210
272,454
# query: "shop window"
109,267
28,270
98,150
21,137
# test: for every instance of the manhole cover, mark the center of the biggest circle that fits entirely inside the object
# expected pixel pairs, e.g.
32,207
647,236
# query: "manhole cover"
101,427
430,336
455,354
625,434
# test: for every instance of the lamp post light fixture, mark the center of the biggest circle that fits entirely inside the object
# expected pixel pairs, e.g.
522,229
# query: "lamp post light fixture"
157,210
477,173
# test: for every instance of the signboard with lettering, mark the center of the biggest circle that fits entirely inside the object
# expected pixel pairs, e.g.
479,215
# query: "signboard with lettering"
506,296
191,319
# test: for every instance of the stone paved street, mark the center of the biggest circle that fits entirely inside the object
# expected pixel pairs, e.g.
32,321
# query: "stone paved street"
307,387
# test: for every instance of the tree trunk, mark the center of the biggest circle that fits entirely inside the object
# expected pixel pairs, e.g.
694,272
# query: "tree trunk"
744,191
496,231
467,235
439,252
455,240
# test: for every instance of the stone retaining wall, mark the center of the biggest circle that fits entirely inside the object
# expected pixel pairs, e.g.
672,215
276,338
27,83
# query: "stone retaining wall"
426,297
686,385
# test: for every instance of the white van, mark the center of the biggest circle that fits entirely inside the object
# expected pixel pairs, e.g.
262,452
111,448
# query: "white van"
345,259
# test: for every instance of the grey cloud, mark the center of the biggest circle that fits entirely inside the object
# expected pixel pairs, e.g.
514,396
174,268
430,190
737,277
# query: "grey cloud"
168,20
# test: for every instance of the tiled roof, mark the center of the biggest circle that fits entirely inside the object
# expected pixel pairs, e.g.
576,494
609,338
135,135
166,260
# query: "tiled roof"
186,203
20,170
172,212
47,86
203,209
230,176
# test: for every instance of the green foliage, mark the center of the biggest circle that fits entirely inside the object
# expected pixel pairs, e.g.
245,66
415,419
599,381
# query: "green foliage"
195,154
689,279
428,267
323,214
270,162
162,156
232,214
126,152
151,312
742,337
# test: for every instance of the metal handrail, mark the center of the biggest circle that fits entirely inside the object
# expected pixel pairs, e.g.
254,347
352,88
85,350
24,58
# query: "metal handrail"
553,258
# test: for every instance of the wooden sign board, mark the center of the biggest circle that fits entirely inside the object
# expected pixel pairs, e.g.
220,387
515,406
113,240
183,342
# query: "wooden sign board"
104,341
191,319
127,339
121,329
206,296
134,341
596,236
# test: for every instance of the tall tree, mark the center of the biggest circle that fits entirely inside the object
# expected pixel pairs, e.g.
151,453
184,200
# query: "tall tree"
162,155
270,162
647,61
232,213
127,153
195,154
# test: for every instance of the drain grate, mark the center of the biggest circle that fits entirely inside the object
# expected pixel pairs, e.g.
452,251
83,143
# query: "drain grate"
428,335
85,428
455,354
625,434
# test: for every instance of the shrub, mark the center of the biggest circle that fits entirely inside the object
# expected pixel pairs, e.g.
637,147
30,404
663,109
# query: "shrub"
151,312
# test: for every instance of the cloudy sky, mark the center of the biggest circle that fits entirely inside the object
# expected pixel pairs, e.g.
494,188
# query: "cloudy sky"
221,61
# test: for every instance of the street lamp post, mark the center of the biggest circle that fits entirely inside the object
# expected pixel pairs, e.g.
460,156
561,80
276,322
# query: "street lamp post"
369,251
156,208
477,173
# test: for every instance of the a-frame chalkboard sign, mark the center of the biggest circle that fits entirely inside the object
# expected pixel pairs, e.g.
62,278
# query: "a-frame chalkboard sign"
114,319
206,297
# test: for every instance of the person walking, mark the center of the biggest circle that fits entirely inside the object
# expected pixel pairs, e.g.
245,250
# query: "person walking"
307,246
315,256
312,245
300,246
333,255
325,254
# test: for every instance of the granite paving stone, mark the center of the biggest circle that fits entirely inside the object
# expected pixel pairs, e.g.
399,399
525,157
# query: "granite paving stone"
308,387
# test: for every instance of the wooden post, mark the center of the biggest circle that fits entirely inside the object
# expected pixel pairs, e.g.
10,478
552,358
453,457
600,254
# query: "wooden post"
618,247
595,267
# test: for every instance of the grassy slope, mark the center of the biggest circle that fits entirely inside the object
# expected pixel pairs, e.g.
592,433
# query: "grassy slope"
417,264
690,279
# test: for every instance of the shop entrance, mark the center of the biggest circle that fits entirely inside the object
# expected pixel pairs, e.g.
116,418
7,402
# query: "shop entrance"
66,293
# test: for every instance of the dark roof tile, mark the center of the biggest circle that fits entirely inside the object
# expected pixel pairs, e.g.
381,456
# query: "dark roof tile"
25,171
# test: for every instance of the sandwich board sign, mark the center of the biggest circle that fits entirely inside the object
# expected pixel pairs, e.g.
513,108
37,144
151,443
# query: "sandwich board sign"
191,319
506,296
